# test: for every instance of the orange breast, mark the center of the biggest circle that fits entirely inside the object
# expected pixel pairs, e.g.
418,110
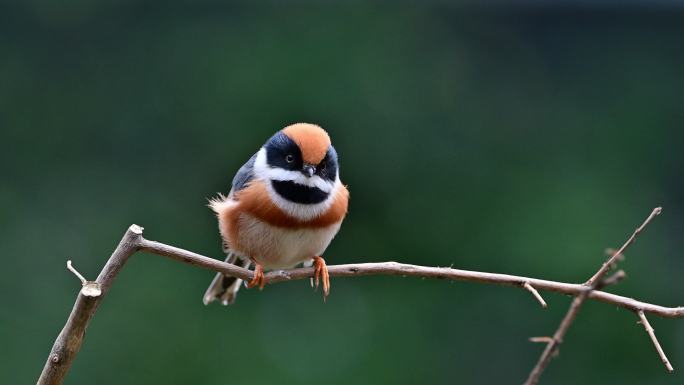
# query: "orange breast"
255,201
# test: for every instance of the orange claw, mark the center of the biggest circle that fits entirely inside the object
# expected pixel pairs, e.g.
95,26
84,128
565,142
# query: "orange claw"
321,273
258,279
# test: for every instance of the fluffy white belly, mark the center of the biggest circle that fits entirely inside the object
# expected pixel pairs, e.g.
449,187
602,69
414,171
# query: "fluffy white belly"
278,247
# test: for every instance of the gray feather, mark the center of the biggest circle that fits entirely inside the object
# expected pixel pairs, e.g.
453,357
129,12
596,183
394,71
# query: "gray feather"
224,288
244,175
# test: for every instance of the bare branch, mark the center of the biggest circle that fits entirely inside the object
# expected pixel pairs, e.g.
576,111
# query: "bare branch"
613,279
69,341
544,339
535,293
651,333
618,254
90,288
552,347
403,269
76,273
610,251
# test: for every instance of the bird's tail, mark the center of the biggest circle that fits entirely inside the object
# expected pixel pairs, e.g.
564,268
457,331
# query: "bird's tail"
224,288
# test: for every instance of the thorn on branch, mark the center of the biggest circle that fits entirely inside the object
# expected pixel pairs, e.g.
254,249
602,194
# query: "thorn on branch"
535,293
90,288
651,333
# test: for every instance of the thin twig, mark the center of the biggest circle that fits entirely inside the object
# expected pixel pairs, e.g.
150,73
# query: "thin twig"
90,288
618,254
613,279
544,339
70,339
552,347
610,251
76,273
403,269
535,293
651,333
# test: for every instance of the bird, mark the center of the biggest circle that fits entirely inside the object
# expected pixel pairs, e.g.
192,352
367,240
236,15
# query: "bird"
285,205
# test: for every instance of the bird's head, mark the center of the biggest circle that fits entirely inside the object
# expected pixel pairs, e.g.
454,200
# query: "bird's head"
300,163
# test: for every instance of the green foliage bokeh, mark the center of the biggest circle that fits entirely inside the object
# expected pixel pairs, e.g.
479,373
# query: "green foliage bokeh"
522,140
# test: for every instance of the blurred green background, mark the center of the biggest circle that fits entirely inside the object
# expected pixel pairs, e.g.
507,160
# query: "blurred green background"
519,139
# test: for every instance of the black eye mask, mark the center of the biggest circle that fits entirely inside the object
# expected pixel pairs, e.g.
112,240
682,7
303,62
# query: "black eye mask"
327,169
278,150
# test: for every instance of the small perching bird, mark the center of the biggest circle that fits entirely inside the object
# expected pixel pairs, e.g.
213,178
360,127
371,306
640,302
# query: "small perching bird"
285,206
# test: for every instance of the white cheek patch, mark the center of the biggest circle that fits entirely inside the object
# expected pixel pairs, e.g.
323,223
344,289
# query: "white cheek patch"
297,210
299,178
266,172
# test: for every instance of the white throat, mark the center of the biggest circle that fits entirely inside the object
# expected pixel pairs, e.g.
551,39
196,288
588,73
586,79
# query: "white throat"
300,211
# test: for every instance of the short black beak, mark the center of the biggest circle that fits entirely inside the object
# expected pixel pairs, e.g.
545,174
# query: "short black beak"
309,170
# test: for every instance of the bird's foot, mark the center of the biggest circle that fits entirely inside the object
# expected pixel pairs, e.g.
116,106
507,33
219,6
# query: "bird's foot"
321,274
258,279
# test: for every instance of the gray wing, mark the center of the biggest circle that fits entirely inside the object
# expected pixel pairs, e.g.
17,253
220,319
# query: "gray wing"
244,175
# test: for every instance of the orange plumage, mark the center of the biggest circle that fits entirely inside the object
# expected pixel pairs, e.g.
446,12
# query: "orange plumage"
312,140
285,206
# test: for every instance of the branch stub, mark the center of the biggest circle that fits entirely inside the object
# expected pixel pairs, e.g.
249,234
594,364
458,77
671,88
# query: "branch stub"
91,289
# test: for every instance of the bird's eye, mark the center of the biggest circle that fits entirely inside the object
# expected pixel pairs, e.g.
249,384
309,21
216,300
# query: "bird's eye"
289,158
323,166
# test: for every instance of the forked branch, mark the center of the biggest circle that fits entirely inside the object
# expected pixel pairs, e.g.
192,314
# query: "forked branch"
592,284
69,341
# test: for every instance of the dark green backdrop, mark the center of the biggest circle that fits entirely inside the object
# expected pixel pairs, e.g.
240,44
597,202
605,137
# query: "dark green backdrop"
519,139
